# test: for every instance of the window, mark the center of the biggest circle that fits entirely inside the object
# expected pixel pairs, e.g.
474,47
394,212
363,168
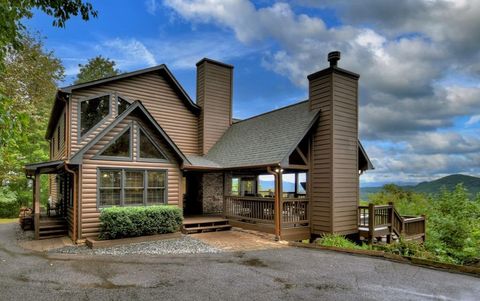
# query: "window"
122,105
129,187
266,185
235,186
120,147
92,111
134,187
156,187
148,150
302,183
110,187
288,182
247,186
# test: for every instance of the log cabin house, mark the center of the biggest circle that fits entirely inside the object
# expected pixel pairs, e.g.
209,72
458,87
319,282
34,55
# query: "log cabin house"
139,139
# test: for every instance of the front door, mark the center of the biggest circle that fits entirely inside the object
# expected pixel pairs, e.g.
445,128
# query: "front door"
192,202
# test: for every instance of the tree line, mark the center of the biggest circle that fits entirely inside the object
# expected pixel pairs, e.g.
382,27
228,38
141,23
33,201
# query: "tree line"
29,75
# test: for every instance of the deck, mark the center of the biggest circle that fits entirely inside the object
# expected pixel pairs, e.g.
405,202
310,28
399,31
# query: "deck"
377,221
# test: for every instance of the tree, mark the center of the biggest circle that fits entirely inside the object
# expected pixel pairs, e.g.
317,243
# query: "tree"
96,68
13,11
29,84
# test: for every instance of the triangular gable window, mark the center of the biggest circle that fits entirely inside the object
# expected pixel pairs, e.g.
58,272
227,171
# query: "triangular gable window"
120,147
122,105
148,149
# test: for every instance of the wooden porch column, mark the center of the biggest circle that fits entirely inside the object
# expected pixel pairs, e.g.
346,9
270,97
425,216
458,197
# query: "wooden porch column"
36,204
277,213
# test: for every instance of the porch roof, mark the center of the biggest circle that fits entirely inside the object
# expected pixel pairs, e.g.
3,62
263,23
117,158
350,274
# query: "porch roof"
44,167
263,140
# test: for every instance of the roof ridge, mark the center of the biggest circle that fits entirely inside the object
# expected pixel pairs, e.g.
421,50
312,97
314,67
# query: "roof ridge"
272,111
112,77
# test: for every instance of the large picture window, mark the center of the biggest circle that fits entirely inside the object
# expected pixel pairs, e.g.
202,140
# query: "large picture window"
92,111
128,187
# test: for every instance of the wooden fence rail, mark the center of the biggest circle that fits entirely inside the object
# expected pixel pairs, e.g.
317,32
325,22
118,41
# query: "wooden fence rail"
379,220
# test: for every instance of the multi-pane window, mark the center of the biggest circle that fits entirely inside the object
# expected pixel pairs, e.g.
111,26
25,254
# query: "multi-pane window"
110,187
148,150
127,187
134,187
122,105
156,187
120,147
92,111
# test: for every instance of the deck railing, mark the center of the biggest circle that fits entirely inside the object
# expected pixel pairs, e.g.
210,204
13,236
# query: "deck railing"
262,209
386,219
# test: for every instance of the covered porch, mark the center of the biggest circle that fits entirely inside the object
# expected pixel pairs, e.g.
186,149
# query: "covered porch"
274,201
58,217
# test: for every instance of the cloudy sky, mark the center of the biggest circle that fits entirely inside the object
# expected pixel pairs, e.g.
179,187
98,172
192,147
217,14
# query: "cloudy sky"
419,63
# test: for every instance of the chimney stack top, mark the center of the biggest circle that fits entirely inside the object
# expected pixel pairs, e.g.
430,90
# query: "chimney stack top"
333,58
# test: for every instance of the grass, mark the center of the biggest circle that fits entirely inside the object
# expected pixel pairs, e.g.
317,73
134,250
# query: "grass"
335,240
8,220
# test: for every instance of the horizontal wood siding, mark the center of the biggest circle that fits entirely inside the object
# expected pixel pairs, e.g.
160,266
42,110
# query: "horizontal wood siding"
334,159
214,95
89,210
57,153
321,156
345,154
158,97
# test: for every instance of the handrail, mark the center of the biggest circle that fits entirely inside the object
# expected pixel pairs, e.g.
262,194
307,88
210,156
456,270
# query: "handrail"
379,218
294,211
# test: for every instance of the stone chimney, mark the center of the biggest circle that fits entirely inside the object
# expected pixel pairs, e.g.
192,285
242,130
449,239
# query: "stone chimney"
334,172
214,96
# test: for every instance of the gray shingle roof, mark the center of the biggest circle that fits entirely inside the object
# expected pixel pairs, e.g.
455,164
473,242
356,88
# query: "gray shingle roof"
266,139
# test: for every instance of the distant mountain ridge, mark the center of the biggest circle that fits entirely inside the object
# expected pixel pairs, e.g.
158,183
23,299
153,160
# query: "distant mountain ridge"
432,187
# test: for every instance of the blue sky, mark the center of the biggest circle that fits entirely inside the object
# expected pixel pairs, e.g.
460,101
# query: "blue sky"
419,63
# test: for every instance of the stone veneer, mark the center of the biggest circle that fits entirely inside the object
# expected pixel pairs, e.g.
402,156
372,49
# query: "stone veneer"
212,193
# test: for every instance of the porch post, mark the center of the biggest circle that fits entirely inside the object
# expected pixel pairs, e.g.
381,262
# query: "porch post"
280,201
36,204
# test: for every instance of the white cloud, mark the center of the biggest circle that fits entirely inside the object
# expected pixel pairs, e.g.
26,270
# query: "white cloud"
127,53
473,120
408,48
151,6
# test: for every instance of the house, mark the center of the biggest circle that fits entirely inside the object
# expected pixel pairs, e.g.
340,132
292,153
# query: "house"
138,139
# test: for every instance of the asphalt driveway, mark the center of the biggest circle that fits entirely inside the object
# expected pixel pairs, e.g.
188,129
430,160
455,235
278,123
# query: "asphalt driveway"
272,274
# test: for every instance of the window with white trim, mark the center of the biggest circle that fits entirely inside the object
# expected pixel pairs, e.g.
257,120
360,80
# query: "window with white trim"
130,187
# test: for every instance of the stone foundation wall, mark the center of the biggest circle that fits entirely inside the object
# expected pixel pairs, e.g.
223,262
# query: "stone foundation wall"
212,193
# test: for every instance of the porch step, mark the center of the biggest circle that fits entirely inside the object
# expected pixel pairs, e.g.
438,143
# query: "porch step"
52,227
208,225
206,229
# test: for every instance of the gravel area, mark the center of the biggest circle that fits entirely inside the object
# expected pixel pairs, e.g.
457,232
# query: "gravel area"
183,245
23,235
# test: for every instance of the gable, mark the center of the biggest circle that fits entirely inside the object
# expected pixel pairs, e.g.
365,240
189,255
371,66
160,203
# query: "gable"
111,147
157,94
137,116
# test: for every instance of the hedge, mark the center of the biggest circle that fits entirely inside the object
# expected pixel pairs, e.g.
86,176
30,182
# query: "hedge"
120,222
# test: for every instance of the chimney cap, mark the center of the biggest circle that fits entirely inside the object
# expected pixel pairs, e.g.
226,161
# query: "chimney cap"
333,58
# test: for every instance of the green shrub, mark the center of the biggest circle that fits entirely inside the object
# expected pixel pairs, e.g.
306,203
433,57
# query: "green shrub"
339,241
120,222
9,206
407,248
